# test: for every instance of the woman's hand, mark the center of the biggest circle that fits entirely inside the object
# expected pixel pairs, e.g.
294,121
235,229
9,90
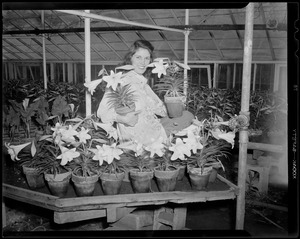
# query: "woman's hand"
129,119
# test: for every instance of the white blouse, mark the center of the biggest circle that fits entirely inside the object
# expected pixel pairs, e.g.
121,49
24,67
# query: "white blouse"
148,128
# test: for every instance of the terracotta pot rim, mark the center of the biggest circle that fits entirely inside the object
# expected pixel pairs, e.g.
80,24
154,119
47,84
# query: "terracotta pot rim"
63,176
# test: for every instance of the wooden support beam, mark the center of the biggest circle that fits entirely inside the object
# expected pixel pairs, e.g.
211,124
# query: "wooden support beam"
75,216
28,196
179,218
266,147
3,214
115,213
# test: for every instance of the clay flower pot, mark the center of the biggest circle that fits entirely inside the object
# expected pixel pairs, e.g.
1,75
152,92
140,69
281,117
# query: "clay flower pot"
33,177
59,184
199,181
174,106
141,181
166,179
84,186
111,182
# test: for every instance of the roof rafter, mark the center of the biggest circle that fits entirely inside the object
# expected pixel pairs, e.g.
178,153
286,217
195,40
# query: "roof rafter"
20,50
261,10
216,44
80,36
108,45
237,32
11,52
162,35
118,35
190,42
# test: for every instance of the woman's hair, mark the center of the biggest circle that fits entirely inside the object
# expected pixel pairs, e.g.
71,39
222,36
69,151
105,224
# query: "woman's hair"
133,49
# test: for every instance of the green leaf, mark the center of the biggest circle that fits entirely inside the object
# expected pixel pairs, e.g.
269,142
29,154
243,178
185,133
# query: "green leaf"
60,106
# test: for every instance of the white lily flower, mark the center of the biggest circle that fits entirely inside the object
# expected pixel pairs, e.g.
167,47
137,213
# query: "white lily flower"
14,150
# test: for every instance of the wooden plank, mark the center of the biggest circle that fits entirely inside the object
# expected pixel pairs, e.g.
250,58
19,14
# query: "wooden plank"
3,214
140,197
97,202
64,217
227,182
29,196
265,147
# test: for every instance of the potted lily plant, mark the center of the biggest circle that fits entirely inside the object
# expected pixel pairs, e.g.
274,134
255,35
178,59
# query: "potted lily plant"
29,157
113,161
76,137
140,168
171,84
164,155
210,141
120,96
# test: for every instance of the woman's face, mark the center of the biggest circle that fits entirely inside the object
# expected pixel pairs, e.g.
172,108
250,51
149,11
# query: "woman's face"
140,60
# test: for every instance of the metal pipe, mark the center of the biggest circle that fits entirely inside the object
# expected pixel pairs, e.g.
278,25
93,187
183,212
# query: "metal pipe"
44,54
186,50
95,16
87,44
224,27
243,133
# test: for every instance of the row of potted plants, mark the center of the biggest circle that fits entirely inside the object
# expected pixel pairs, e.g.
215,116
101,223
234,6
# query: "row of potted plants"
76,144
86,150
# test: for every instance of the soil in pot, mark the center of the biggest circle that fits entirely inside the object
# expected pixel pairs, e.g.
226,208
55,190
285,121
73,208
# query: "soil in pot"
111,182
84,186
33,177
198,180
141,181
166,179
59,184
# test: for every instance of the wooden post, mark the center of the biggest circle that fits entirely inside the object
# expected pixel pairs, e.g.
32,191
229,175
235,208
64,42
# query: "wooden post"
216,75
3,214
64,72
209,77
70,72
52,72
228,77
254,76
234,75
243,134
75,73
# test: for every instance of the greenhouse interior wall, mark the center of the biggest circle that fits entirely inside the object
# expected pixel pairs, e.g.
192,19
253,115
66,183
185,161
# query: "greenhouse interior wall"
264,75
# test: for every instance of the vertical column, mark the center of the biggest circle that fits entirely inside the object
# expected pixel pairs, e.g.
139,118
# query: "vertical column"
243,134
